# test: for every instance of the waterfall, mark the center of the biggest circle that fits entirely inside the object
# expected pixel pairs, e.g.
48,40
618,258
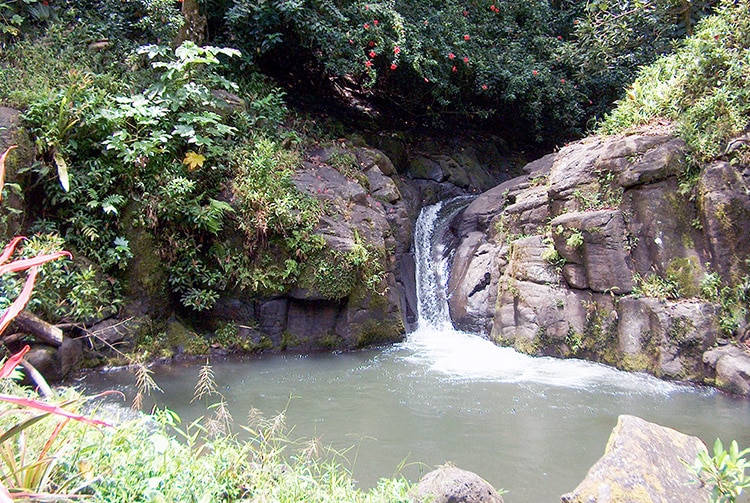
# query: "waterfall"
432,261
470,356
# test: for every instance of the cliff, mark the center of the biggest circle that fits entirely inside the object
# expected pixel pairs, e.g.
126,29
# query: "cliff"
605,250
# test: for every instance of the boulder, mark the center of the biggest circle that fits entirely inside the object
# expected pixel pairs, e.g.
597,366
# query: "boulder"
666,338
724,196
730,368
448,484
643,462
46,360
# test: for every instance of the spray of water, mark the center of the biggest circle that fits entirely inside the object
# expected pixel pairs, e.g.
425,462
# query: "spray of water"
460,355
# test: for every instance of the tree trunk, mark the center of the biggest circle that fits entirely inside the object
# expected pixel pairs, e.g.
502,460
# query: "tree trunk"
43,331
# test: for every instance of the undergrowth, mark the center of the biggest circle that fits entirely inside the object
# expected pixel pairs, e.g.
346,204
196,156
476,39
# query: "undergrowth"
702,87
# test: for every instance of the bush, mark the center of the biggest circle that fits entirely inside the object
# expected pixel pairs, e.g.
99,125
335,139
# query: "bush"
477,60
702,87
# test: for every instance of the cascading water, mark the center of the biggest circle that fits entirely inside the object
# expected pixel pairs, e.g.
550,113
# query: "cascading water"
432,264
469,356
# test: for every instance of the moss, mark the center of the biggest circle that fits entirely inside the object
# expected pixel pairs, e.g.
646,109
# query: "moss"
288,340
680,332
686,273
373,332
526,346
638,362
722,216
330,341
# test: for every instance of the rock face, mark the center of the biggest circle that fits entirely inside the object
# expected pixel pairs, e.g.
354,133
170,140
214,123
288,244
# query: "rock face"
643,462
370,202
595,252
729,367
448,484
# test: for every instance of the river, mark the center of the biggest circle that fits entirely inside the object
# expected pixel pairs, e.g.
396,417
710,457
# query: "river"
532,426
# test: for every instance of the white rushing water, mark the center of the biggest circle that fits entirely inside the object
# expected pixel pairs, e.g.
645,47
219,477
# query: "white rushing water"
467,356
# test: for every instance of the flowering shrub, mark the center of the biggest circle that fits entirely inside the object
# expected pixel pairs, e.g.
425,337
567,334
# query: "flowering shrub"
477,59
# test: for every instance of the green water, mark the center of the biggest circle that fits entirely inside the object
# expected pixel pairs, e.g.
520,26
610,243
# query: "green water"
530,426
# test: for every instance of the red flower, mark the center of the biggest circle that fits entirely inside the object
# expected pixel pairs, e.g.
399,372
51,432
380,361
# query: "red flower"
466,37
393,66
351,41
466,60
396,50
454,69
426,79
466,13
484,87
367,26
371,43
535,72
368,63
367,7
559,37
451,55
375,22
372,54
562,81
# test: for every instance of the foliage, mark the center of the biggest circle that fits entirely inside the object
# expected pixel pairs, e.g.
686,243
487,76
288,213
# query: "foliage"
724,472
656,286
702,87
733,300
613,40
475,59
29,459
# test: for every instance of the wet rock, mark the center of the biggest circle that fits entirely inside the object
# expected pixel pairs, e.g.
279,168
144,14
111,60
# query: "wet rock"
730,368
46,360
643,462
71,355
115,333
448,484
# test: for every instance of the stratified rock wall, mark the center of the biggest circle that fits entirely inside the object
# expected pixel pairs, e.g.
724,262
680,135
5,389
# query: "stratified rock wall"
561,260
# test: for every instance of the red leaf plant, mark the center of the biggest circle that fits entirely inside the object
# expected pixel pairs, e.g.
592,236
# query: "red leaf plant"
20,470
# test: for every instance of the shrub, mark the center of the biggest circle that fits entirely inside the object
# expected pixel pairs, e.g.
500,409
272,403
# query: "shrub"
702,87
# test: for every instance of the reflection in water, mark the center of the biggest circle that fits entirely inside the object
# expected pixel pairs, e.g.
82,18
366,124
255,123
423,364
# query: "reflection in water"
530,425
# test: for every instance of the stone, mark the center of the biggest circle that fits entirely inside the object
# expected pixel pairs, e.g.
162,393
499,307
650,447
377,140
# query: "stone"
47,361
527,262
661,162
448,484
473,289
381,186
724,196
272,318
603,251
311,321
666,338
730,367
71,355
662,235
575,276
115,333
643,462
